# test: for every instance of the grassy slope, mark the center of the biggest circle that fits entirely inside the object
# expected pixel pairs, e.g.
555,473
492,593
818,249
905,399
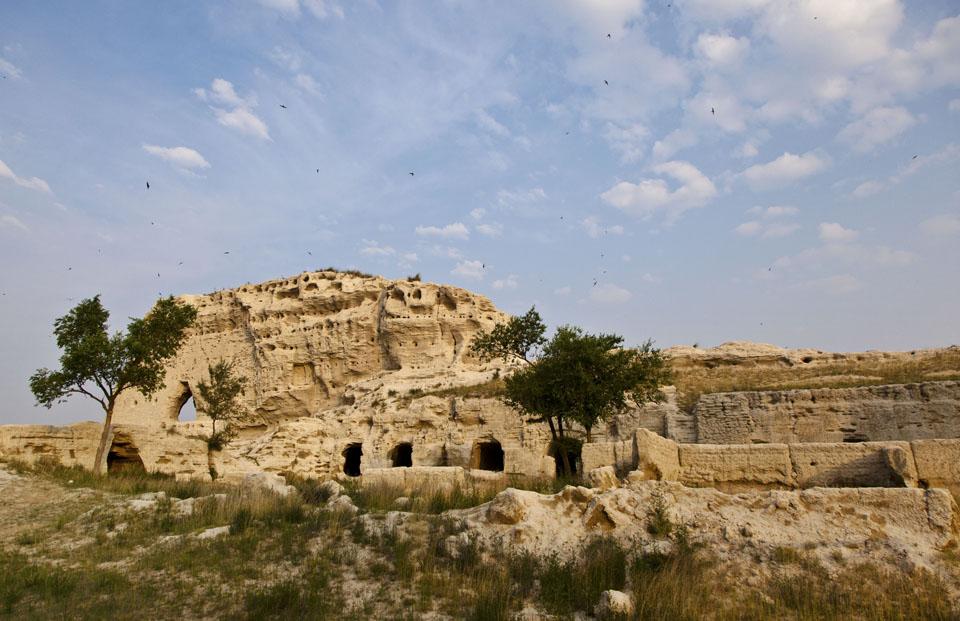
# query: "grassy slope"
292,558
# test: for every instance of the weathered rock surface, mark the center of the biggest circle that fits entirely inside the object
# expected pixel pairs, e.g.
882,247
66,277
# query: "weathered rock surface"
895,412
901,526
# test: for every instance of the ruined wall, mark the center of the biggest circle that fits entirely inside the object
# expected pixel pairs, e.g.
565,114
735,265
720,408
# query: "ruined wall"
740,467
895,412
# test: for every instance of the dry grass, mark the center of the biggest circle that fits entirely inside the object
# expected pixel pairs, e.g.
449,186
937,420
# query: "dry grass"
488,390
290,558
694,381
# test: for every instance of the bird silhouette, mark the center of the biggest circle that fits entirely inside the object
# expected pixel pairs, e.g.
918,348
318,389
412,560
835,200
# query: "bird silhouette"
594,282
158,274
283,106
227,252
318,171
914,157
411,173
608,35
310,253
607,83
180,263
713,112
148,185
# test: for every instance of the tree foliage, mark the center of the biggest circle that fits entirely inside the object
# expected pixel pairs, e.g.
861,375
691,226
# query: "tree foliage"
577,378
99,365
520,338
220,400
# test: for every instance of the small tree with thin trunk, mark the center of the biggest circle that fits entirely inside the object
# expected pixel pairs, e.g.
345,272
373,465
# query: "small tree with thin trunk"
220,400
572,378
102,366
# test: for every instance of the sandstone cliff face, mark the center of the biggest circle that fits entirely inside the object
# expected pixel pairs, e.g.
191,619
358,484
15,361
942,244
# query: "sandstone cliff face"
899,412
301,341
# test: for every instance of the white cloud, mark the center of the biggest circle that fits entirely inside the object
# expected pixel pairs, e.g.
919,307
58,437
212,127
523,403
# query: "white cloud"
868,188
510,282
181,157
12,222
490,230
10,70
722,49
834,233
562,291
675,141
373,249
766,230
490,124
321,9
947,154
469,269
446,251
243,121
786,169
221,92
457,230
942,225
513,198
238,113
649,278
651,195
478,213
629,141
307,83
609,293
33,183
878,126
774,211
408,259
593,228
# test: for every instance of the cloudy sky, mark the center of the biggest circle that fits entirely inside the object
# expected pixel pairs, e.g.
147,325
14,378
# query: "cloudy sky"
783,171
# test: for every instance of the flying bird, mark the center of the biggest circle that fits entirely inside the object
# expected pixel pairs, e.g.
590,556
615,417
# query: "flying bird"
594,282
318,171
227,252
608,35
607,83
158,274
310,253
411,173
180,263
283,106
713,112
148,185
914,157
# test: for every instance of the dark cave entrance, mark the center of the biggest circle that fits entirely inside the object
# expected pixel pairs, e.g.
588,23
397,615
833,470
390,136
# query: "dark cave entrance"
487,455
401,456
124,455
351,459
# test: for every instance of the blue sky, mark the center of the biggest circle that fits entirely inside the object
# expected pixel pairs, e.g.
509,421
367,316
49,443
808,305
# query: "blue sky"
693,171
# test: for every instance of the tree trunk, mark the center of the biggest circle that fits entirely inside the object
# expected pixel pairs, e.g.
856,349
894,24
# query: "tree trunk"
102,448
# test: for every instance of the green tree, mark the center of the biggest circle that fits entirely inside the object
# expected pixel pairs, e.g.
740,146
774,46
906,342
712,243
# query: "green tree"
102,366
220,400
572,378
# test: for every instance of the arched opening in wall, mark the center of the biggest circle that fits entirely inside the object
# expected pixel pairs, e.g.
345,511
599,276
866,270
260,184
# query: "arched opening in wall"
487,455
570,448
401,456
351,459
186,406
124,456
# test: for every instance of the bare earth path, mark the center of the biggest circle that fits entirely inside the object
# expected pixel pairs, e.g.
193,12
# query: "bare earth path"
28,502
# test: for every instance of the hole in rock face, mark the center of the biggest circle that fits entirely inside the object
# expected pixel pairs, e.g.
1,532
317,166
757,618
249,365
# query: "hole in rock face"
487,455
124,456
186,406
401,456
351,459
